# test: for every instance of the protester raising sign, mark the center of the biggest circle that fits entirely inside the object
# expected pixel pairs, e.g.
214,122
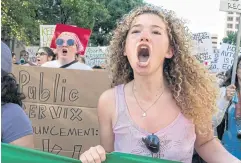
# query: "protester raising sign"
202,47
226,57
80,35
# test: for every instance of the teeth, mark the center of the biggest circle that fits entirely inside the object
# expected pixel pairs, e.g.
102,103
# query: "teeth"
144,47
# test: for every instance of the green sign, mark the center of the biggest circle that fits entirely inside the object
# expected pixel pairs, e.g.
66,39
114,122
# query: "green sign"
13,154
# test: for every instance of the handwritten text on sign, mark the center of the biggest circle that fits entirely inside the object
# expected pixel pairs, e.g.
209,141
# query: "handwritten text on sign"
226,57
62,104
96,56
46,34
32,50
203,50
214,67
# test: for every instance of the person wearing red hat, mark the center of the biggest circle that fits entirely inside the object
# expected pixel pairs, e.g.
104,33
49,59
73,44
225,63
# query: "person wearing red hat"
68,43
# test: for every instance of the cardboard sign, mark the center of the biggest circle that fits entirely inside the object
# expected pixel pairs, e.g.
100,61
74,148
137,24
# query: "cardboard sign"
32,50
96,56
62,105
46,35
226,57
203,50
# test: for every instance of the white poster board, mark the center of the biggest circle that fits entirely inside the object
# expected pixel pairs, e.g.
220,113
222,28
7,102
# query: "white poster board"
46,35
213,68
202,47
95,56
226,57
32,50
230,6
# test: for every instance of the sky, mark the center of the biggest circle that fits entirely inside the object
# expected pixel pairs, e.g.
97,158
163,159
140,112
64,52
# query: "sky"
203,15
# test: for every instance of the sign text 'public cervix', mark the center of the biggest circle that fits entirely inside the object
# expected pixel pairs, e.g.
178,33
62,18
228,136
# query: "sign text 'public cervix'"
61,105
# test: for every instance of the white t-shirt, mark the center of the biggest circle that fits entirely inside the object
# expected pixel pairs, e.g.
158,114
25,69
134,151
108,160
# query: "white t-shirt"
76,66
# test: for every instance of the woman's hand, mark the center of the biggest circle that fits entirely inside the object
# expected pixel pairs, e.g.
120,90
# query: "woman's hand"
230,92
93,155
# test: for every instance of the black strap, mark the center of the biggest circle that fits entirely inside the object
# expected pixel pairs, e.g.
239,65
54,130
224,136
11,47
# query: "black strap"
67,65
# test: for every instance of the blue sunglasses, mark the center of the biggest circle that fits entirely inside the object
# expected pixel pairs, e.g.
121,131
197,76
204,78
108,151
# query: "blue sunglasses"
60,42
152,143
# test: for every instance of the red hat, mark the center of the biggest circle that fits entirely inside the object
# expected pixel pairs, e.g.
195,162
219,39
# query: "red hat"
82,36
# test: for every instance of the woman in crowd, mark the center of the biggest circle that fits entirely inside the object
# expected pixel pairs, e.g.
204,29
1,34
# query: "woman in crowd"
228,91
44,54
162,100
16,127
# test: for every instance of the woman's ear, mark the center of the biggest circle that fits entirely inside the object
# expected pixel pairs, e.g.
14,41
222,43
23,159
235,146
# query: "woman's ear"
170,53
50,58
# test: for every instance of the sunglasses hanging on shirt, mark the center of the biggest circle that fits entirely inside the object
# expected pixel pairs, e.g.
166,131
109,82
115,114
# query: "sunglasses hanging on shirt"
152,143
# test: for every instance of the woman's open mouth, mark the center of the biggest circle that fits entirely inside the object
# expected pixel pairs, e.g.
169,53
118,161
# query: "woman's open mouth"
143,54
64,52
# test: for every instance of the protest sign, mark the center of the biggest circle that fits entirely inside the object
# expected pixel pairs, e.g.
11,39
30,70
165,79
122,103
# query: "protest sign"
96,56
202,47
11,153
46,35
226,57
32,50
61,104
214,67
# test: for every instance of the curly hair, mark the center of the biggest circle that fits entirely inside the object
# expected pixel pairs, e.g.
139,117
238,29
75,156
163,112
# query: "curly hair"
10,90
192,86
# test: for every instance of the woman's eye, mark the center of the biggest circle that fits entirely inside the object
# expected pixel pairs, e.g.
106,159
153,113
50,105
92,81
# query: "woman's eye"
156,32
135,31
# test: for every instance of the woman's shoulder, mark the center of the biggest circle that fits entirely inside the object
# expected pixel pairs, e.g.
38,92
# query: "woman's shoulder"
12,110
107,100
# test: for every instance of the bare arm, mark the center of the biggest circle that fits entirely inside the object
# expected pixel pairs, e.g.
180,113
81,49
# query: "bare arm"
26,141
106,112
212,151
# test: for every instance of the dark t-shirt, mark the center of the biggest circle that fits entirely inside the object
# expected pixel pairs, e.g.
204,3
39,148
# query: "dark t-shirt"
15,123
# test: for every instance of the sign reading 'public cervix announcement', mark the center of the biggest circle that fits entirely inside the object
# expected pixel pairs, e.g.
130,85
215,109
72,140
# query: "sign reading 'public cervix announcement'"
62,104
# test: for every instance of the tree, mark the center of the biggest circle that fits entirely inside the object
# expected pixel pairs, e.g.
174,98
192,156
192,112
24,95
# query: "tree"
231,38
18,20
116,8
21,18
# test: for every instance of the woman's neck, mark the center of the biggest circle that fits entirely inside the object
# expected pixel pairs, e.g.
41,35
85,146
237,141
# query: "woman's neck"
64,61
148,87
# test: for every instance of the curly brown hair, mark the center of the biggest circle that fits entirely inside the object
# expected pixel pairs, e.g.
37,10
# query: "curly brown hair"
191,84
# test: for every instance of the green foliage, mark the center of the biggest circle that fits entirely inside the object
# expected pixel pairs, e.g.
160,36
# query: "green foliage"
21,18
231,38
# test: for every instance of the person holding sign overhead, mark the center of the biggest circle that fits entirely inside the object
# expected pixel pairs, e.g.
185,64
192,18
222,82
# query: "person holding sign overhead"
162,99
228,91
68,41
